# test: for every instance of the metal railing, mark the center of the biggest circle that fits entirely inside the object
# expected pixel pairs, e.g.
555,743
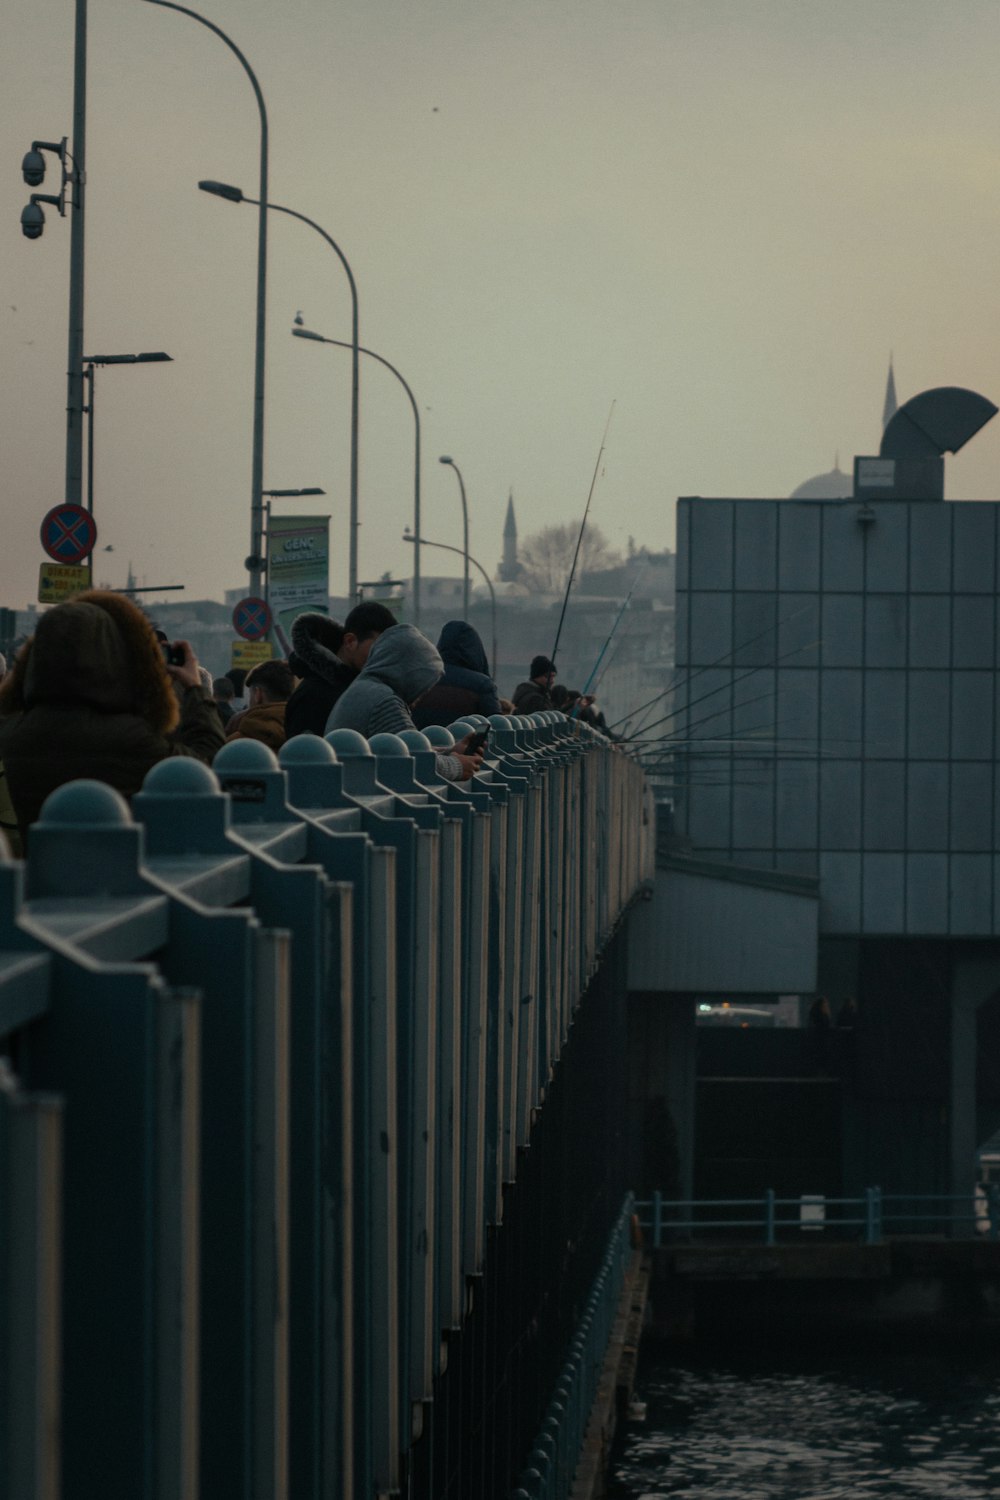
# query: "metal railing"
553,1460
274,1039
870,1218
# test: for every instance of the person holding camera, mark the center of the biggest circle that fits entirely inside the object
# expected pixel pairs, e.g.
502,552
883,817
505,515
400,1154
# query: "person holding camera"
94,694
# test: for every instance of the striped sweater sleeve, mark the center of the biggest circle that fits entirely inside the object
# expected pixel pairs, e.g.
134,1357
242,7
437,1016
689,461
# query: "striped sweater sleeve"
390,716
449,768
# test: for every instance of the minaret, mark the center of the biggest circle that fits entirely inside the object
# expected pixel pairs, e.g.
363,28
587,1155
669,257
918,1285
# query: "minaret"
510,568
130,584
890,407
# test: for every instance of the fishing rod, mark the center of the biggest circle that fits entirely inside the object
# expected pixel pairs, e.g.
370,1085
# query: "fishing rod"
752,672
612,658
607,641
707,718
686,681
618,619
669,739
586,512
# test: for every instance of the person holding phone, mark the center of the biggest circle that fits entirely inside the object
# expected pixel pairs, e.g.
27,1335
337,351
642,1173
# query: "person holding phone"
402,667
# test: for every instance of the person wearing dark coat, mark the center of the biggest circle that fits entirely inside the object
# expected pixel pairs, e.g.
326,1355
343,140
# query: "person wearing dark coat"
534,696
92,696
466,686
328,657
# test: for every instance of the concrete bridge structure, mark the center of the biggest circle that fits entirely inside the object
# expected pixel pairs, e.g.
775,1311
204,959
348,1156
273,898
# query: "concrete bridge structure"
312,1082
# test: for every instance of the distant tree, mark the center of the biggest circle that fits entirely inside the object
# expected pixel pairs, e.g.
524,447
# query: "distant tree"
547,556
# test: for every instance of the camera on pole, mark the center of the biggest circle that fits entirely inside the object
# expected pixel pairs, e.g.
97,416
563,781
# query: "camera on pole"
33,172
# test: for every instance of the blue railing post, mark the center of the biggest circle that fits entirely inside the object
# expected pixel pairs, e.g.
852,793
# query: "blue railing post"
657,1219
870,1216
769,1217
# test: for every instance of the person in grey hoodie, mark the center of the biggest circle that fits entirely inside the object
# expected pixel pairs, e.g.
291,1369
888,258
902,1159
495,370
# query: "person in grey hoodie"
403,665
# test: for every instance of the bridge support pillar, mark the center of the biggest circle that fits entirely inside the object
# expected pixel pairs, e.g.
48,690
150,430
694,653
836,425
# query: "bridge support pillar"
661,1053
973,981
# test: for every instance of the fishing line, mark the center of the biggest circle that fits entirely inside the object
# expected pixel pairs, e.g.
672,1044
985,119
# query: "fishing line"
583,523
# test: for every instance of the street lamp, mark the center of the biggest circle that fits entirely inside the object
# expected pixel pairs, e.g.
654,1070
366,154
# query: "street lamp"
32,225
444,459
255,561
236,195
91,361
493,598
291,494
305,333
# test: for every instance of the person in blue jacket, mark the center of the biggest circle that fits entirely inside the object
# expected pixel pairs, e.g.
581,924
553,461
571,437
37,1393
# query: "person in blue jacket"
466,687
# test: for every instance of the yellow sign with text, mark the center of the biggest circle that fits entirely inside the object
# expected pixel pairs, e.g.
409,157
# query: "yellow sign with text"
247,654
59,581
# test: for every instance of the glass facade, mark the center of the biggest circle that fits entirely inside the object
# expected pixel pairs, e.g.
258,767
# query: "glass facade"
837,703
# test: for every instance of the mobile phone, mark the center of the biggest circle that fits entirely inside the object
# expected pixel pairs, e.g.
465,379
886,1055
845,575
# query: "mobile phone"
172,655
478,742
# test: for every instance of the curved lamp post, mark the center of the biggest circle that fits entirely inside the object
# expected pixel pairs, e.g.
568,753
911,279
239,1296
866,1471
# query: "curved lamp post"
255,560
444,459
318,338
459,553
236,195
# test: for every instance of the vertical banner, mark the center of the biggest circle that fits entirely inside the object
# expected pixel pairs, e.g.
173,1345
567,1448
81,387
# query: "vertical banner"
298,569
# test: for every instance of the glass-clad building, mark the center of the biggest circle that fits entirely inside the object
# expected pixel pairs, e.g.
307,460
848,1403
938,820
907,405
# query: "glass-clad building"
837,703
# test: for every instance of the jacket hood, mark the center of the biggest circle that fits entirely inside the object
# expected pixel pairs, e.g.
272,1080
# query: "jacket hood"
316,640
405,661
98,649
460,646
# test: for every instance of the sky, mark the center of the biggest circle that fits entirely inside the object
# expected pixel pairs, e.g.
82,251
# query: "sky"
719,215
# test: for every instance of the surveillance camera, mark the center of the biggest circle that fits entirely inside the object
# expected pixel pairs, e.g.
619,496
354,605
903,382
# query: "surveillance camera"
32,221
33,168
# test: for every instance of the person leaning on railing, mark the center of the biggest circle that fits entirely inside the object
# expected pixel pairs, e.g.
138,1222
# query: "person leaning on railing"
92,695
402,667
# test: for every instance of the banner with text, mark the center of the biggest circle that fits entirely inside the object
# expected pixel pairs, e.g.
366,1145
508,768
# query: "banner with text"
298,569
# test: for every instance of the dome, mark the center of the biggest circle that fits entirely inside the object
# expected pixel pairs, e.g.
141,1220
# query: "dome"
833,486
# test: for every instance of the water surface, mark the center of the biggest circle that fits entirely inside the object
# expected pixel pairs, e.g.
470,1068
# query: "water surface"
878,1425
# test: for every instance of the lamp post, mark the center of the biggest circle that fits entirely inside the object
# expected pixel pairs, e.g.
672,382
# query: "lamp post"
318,338
91,361
255,561
444,459
236,195
33,226
493,598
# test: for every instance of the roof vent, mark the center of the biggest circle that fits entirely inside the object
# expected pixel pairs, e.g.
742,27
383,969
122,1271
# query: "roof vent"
910,465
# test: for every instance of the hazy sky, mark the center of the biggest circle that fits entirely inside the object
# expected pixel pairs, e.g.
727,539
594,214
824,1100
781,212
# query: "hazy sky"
721,214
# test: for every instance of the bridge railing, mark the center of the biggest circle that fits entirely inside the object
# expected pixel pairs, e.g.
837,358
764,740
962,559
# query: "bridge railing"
272,1050
870,1218
553,1461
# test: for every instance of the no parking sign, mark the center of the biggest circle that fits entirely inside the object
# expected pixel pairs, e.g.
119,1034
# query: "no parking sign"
252,619
69,533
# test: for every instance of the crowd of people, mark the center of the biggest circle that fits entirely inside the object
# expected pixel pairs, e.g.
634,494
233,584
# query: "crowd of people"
99,692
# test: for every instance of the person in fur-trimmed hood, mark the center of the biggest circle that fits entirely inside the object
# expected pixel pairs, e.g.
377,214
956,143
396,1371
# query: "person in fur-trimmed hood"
328,657
90,695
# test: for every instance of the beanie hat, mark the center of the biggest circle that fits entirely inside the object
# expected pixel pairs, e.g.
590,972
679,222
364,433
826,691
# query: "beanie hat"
541,666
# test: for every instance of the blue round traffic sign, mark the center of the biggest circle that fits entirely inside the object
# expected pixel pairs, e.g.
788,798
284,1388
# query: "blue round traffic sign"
252,619
69,533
